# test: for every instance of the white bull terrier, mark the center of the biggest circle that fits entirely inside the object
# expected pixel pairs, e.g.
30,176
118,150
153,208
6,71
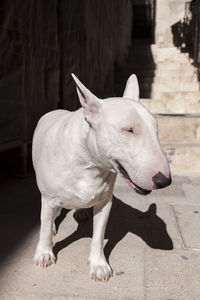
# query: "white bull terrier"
77,156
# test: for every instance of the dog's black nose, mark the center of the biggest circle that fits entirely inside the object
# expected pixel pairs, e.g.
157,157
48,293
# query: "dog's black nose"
160,181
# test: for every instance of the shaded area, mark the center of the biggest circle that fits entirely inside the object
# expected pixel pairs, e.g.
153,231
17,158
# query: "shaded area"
146,225
19,213
142,20
140,59
43,42
122,220
140,62
186,32
20,202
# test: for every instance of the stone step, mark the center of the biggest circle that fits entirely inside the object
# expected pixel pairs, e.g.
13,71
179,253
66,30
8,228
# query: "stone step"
183,157
171,59
179,95
175,101
157,58
173,106
175,79
143,73
168,52
176,66
156,49
157,94
173,53
168,73
179,128
170,86
162,80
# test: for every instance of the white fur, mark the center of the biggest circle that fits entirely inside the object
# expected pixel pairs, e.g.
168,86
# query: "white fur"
75,154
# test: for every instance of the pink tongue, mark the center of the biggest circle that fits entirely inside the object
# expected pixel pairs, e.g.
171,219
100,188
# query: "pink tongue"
131,184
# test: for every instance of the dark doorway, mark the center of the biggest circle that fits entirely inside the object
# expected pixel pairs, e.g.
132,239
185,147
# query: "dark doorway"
143,19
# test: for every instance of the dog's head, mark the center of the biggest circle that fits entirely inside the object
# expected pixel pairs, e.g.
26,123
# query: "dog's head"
126,137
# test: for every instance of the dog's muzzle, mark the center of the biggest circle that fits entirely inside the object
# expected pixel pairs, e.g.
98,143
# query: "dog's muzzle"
124,174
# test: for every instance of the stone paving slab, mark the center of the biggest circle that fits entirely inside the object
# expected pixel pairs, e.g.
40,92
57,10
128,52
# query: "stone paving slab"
46,297
192,192
172,239
188,221
172,275
69,276
142,242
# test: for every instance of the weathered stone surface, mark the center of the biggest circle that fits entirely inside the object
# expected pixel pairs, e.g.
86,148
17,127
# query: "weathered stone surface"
183,157
175,87
174,106
178,78
168,74
176,95
140,235
172,274
176,66
179,128
188,221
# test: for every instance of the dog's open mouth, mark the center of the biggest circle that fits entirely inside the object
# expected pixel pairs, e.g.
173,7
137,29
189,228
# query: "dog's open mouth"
136,188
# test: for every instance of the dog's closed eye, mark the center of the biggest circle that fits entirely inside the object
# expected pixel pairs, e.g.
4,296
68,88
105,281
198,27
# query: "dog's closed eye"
130,130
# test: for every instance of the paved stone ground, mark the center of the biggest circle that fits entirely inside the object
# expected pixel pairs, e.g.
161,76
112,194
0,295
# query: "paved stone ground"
152,244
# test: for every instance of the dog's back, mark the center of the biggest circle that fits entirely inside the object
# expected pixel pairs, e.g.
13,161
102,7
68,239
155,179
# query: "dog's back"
47,122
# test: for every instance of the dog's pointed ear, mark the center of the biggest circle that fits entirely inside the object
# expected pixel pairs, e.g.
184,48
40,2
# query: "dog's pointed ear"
132,88
90,103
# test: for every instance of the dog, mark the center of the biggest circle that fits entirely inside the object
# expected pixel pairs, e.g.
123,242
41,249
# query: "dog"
77,156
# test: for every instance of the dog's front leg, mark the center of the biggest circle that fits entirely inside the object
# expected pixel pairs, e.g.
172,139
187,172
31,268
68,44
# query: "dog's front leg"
44,255
99,268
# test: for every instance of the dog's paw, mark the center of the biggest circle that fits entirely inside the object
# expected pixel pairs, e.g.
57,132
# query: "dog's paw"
101,272
81,215
44,259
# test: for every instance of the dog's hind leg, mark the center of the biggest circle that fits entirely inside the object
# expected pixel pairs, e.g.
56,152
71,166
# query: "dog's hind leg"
81,215
99,268
57,213
44,255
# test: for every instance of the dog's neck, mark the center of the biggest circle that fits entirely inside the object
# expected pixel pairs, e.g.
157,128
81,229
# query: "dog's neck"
93,152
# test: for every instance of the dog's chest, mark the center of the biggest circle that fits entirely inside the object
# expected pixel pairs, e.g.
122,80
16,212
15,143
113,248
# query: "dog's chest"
91,185
81,187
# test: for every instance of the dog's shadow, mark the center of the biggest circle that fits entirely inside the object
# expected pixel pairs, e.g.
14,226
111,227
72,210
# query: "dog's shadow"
123,219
